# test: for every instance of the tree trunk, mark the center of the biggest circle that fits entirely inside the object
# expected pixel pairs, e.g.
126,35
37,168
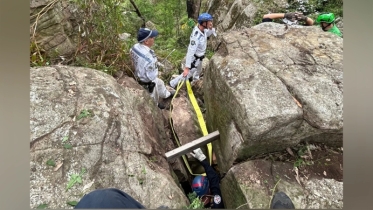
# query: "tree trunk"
138,13
193,7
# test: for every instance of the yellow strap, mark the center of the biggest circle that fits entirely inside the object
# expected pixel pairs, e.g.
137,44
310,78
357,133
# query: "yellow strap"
200,120
173,131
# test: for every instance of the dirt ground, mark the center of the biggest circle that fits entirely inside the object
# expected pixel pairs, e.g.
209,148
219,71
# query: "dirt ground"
316,162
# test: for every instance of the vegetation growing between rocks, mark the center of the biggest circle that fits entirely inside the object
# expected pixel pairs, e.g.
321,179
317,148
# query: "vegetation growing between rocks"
195,202
98,43
99,46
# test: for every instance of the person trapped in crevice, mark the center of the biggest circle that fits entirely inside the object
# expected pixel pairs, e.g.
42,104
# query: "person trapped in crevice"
207,188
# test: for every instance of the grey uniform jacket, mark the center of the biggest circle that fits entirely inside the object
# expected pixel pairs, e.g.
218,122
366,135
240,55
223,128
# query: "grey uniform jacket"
197,45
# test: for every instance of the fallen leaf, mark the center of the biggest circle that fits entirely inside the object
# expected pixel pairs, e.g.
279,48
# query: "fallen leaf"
42,206
309,151
324,173
67,146
51,163
332,151
297,175
290,151
312,147
72,203
296,101
305,157
58,166
87,186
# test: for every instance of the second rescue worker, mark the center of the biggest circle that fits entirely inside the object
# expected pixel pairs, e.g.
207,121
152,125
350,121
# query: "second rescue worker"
145,63
197,49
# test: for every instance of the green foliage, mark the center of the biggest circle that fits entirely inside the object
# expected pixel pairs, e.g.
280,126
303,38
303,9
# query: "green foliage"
72,203
153,159
143,170
302,151
75,178
65,139
195,202
141,180
313,7
37,56
99,24
42,206
50,162
84,113
99,46
67,146
300,161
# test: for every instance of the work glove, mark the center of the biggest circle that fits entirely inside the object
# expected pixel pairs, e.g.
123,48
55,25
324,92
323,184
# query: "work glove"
160,64
198,154
290,16
301,17
214,31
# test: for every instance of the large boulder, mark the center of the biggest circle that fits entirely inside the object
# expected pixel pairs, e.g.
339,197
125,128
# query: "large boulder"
52,26
230,15
83,119
250,185
265,92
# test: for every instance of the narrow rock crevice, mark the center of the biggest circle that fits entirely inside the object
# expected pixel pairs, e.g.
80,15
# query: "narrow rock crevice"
77,146
98,164
33,142
77,93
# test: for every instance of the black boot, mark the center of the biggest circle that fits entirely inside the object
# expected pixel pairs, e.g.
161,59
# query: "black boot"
281,201
161,106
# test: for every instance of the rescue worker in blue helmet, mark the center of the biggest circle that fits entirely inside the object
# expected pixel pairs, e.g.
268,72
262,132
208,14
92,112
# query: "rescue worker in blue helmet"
146,64
196,49
207,187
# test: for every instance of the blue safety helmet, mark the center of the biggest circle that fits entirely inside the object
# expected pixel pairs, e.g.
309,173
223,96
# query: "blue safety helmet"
145,33
200,185
204,17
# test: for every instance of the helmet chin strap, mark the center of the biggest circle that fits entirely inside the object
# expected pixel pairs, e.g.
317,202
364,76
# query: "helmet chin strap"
204,25
324,28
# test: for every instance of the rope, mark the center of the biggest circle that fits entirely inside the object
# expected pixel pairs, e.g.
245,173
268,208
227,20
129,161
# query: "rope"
200,120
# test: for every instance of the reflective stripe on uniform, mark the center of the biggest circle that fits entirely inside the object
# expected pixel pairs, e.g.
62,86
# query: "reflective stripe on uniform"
140,54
